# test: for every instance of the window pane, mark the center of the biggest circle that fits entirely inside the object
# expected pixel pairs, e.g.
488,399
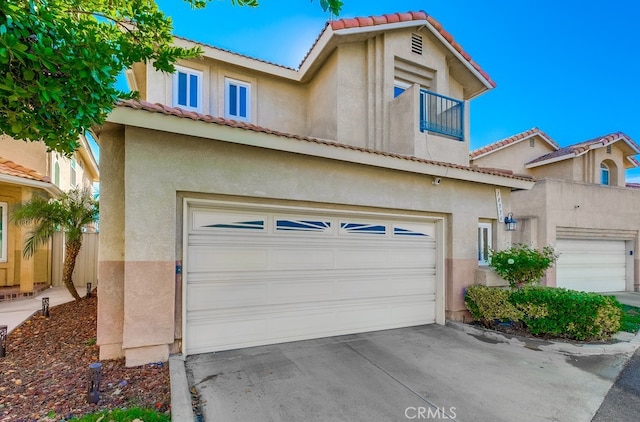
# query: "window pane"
182,88
233,100
193,91
243,101
397,91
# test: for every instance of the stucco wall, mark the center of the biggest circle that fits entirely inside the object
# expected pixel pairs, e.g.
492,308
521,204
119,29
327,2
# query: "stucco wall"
515,156
582,209
137,260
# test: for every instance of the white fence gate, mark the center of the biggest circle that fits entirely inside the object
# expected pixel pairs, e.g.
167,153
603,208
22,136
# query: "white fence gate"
86,270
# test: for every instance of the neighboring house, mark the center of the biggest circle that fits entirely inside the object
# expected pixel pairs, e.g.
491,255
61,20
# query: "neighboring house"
580,204
246,203
26,168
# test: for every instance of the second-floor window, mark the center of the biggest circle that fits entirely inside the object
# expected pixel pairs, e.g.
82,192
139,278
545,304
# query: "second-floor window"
604,174
237,100
73,172
56,172
187,88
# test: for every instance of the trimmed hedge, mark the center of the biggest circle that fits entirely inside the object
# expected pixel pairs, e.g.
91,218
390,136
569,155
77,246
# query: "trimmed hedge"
488,303
548,310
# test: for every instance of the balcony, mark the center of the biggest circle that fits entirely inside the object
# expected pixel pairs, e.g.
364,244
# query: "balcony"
440,114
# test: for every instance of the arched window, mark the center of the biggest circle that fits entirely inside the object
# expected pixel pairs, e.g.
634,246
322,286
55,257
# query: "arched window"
604,174
56,173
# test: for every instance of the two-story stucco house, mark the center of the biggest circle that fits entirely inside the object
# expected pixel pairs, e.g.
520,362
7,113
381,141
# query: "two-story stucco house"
580,205
27,168
245,203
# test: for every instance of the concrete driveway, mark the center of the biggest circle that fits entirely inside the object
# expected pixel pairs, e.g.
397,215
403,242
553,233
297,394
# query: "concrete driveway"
421,373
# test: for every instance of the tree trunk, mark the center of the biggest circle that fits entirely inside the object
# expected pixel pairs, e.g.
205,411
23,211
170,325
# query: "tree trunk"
72,248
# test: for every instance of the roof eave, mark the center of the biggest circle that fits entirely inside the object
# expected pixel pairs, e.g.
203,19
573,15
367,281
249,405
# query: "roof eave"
50,188
322,149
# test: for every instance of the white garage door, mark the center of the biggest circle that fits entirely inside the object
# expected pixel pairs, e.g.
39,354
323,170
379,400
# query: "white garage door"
259,276
591,265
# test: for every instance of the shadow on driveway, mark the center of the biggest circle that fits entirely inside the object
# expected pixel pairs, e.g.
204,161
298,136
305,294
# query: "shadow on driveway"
419,373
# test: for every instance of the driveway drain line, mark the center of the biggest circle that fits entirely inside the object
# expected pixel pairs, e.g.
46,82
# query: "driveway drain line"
424,399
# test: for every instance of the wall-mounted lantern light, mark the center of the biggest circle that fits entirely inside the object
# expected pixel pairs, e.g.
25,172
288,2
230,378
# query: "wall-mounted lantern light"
512,224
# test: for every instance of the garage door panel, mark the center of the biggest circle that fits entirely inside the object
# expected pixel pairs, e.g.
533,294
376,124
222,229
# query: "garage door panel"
209,258
303,257
593,265
259,278
269,325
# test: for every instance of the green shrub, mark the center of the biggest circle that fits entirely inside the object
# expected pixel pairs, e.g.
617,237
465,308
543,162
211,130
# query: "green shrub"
569,313
521,265
489,303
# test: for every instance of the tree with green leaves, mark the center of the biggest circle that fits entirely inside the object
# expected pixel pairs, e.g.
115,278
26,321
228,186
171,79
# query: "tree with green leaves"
70,213
60,59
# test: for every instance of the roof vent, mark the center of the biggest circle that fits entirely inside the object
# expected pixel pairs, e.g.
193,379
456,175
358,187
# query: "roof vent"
416,43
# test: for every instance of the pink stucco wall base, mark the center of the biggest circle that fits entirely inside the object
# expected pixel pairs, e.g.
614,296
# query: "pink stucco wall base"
149,311
460,273
110,309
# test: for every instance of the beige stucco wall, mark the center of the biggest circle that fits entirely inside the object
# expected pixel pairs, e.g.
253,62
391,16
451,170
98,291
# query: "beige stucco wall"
515,156
582,210
141,234
348,99
32,155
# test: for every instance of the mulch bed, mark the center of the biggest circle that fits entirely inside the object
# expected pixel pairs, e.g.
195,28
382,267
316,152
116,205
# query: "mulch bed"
45,375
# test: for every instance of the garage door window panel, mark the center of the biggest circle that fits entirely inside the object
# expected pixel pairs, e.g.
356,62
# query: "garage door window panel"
306,226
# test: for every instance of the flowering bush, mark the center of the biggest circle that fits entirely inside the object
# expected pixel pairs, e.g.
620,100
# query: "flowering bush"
521,264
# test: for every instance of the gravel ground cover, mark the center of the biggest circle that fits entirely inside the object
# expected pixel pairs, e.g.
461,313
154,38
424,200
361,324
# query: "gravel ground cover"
45,373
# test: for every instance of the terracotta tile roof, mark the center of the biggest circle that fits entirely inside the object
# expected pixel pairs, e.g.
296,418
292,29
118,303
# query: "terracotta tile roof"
512,140
178,112
361,22
633,185
582,147
10,168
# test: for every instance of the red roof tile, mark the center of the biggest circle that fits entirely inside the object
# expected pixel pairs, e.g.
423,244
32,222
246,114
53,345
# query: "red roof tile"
582,147
11,168
177,112
512,140
408,17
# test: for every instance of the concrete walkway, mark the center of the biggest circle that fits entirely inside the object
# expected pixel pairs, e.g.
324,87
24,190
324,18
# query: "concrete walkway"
14,313
626,298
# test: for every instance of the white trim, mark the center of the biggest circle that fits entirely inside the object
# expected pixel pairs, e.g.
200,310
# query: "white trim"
187,203
482,241
189,72
227,103
21,181
4,232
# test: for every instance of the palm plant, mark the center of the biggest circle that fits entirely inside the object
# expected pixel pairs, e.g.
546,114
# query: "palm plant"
69,213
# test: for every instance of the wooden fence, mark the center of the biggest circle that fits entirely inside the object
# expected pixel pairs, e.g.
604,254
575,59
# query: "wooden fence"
86,270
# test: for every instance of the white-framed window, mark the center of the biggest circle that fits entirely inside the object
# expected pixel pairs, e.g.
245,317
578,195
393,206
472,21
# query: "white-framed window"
399,87
56,172
237,96
485,232
73,172
604,174
3,231
187,89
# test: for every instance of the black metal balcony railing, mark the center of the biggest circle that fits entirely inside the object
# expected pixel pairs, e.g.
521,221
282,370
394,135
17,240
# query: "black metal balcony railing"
441,114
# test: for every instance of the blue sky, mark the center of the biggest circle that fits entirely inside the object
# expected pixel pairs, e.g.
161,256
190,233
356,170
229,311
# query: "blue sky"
569,67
